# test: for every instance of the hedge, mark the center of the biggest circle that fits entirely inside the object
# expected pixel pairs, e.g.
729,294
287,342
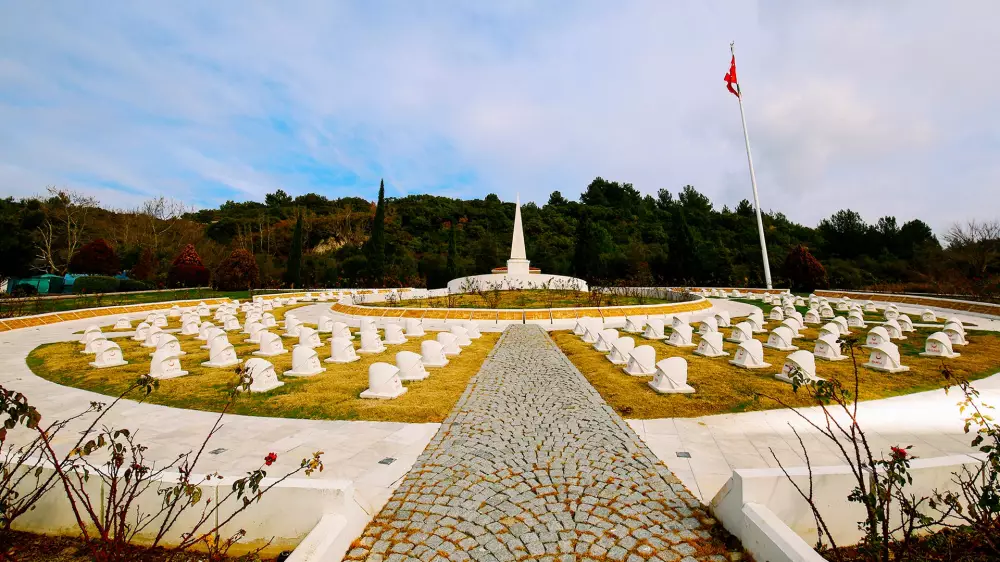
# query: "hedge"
96,284
134,285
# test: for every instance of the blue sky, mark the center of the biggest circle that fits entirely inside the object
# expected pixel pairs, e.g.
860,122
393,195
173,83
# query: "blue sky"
886,109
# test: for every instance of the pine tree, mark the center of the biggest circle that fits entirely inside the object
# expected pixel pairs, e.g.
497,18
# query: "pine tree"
453,250
293,274
376,244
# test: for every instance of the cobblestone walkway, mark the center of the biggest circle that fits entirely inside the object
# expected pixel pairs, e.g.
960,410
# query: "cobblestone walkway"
533,465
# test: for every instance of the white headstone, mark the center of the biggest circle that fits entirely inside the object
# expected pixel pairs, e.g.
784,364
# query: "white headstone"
777,314
722,319
811,317
254,330
781,339
141,331
432,354
856,319
305,362
905,324
830,328
799,301
800,363
756,320
843,306
414,328
231,324
956,335
270,344
189,329
710,345
826,311
741,333
681,336
165,365
591,334
841,323
394,335
371,343
342,330
368,325
885,358
263,377
894,330
955,324
169,343
151,319
123,323
383,381
641,362
876,336
90,338
671,377
938,344
793,325
342,351
620,350
91,329
472,328
292,326
708,325
870,307
152,336
828,348
605,340
750,355
175,311
325,325
268,320
462,335
203,330
678,321
213,333
410,366
582,323
221,354
654,329
928,316
202,309
110,355
891,312
309,337
634,324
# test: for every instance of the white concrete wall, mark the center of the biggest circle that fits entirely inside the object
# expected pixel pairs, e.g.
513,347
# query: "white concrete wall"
776,508
530,281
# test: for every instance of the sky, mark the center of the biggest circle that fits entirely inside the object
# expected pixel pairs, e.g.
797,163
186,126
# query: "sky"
888,109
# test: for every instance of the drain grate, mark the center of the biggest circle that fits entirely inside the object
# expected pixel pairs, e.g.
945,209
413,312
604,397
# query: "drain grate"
683,455
387,460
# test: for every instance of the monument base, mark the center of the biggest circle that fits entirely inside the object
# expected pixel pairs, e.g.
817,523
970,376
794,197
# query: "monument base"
510,281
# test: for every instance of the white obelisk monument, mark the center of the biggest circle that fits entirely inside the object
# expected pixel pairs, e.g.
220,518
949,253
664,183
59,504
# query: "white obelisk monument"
518,262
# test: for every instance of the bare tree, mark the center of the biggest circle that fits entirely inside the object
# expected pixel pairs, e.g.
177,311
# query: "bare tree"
67,215
160,215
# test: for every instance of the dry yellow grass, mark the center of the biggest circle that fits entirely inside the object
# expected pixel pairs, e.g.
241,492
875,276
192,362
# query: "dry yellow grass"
330,395
721,387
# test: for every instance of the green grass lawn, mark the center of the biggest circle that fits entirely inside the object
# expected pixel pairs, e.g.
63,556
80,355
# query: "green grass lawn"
331,395
723,388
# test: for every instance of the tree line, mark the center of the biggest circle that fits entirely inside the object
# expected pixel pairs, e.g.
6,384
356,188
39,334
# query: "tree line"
611,234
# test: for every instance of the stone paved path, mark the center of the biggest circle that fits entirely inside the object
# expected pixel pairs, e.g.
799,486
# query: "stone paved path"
533,465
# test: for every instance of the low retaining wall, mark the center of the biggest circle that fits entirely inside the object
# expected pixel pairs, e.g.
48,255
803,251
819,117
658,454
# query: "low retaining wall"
935,302
284,515
763,509
527,316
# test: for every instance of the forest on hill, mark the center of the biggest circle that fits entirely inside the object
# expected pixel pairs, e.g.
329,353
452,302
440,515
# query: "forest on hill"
611,234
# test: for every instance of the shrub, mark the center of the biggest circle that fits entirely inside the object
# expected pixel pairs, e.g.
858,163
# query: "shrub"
96,257
187,270
96,284
145,268
25,290
804,271
133,285
238,271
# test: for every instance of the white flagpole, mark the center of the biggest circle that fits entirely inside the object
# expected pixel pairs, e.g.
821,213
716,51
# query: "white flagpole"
753,182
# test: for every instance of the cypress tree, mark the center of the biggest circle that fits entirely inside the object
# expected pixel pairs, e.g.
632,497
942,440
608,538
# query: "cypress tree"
376,244
293,275
453,250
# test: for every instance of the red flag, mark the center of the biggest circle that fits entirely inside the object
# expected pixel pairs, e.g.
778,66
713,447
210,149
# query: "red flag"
731,78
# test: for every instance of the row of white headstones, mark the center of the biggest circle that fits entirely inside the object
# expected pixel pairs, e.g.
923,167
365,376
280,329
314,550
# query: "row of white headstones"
670,375
385,380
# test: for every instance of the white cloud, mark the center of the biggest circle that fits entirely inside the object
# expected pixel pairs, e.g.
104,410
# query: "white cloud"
878,108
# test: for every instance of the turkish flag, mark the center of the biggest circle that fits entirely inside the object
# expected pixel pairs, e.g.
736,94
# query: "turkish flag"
731,78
